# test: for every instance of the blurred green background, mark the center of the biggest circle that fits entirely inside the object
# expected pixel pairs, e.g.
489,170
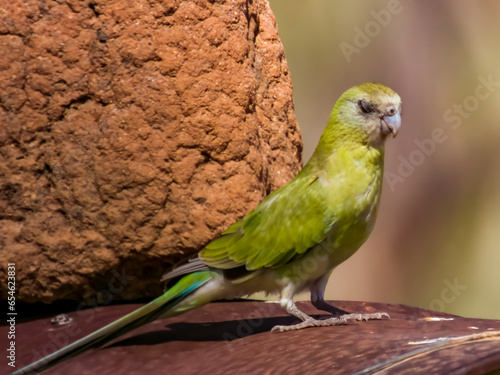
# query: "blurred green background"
437,240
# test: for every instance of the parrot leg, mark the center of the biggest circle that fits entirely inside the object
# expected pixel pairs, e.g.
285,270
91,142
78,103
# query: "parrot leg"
340,317
307,321
320,304
317,297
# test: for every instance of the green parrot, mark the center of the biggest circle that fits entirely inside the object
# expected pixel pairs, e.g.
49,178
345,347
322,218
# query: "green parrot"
295,237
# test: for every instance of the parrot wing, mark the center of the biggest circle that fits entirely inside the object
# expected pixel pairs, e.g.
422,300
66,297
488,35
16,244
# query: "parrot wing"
282,228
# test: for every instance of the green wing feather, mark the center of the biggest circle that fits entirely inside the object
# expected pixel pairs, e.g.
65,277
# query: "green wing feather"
282,227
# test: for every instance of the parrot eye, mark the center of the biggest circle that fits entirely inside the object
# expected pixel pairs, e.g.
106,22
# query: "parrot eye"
365,106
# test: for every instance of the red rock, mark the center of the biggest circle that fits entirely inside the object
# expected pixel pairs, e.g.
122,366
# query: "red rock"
131,134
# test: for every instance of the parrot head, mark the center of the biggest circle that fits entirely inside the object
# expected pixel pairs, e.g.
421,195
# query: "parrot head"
368,112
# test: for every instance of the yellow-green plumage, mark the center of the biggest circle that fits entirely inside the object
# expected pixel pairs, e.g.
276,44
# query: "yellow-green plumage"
296,236
335,194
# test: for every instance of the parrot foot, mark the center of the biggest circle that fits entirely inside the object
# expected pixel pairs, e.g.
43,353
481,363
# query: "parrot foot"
374,316
311,322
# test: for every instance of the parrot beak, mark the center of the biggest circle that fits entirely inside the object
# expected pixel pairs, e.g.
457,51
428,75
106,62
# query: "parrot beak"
391,124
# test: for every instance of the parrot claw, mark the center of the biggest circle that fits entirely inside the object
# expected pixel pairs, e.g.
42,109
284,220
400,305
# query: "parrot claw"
311,322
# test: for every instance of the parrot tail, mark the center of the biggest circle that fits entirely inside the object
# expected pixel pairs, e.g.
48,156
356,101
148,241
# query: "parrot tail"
153,310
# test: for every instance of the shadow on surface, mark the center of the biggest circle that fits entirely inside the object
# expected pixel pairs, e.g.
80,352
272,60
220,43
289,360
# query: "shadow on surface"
216,331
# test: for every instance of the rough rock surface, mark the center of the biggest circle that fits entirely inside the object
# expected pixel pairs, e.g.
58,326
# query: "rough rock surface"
131,134
234,338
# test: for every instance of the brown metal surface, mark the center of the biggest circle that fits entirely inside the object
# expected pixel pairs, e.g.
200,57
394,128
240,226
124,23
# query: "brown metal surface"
234,337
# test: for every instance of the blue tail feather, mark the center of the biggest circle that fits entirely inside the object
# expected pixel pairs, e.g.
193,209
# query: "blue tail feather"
137,318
